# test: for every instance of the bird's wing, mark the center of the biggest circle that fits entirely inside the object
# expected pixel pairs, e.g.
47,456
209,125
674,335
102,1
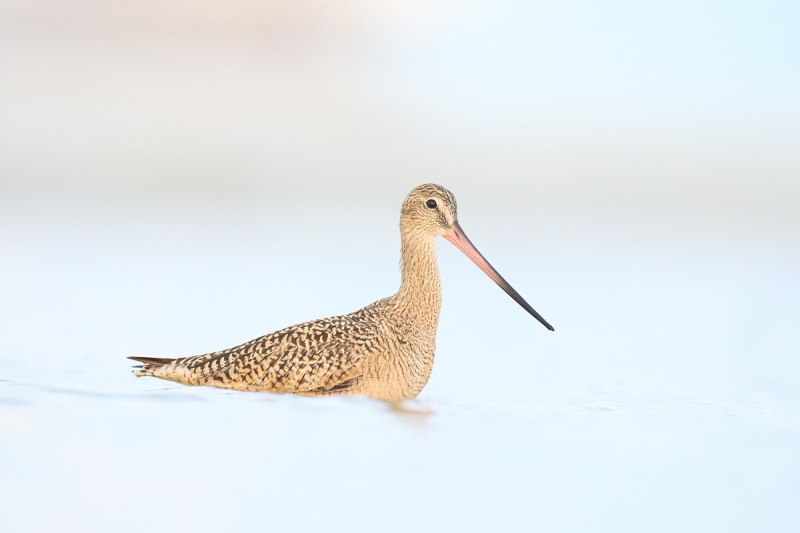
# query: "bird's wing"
314,357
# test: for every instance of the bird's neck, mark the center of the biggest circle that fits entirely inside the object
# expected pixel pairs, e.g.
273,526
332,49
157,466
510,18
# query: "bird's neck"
420,294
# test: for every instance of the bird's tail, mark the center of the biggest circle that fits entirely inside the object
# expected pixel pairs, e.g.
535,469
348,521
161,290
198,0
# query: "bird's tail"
149,365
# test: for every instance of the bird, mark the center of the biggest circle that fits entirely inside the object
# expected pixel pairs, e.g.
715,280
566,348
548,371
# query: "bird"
383,351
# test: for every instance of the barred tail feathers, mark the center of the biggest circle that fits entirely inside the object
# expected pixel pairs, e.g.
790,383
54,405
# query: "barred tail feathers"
149,365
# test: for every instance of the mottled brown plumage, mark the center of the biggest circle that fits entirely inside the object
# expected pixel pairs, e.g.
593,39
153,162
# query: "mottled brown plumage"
384,350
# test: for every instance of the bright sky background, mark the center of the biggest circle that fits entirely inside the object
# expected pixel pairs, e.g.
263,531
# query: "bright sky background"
679,108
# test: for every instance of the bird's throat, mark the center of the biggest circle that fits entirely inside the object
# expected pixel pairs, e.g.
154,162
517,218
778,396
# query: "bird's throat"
420,293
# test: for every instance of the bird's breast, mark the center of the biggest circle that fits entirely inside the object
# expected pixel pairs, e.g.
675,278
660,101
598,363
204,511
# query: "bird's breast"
402,362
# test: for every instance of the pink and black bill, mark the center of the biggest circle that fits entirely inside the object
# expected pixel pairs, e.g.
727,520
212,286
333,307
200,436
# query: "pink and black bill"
457,236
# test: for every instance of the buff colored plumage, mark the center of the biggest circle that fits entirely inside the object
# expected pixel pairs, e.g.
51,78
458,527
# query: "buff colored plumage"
384,350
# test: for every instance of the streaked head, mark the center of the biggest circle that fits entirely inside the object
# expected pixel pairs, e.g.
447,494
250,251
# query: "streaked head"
430,209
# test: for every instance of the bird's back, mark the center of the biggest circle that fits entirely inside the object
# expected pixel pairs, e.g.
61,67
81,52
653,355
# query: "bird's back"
320,357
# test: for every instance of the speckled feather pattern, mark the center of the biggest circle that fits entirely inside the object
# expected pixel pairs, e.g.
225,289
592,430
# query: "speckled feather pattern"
384,350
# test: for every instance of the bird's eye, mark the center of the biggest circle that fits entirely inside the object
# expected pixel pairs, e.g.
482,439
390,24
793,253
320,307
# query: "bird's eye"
431,203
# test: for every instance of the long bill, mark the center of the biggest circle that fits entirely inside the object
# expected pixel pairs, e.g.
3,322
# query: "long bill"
457,236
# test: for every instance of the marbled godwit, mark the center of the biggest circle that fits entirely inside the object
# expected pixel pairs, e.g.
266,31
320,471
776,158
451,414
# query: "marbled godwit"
384,350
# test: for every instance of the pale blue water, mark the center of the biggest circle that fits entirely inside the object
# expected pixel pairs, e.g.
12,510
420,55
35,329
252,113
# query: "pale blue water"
666,399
